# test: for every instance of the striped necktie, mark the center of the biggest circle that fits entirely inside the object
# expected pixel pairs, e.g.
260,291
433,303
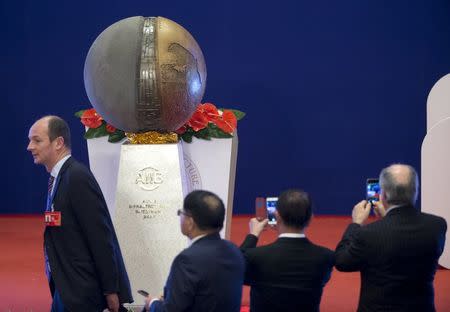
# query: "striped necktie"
51,180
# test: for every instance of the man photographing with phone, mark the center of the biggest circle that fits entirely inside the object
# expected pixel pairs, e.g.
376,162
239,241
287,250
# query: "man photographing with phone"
396,255
289,274
206,276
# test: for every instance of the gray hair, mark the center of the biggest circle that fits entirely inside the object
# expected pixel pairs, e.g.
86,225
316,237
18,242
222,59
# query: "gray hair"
400,187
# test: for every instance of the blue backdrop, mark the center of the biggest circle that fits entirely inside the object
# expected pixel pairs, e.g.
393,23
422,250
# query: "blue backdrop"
333,90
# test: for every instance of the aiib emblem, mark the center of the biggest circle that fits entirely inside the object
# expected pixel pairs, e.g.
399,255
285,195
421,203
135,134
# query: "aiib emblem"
149,179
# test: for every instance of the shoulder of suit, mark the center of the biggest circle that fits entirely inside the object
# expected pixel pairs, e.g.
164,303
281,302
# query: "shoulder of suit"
374,225
319,253
325,250
76,165
263,251
184,258
433,218
277,245
204,242
207,249
76,169
229,244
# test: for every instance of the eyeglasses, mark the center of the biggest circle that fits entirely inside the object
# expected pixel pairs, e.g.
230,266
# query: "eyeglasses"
181,212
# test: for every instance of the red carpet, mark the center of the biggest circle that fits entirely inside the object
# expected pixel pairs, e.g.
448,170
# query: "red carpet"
23,285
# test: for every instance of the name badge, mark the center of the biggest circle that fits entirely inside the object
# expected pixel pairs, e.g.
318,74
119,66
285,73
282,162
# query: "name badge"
52,218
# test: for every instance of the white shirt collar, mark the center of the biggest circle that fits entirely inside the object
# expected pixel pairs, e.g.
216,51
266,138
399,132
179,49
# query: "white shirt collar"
195,239
57,168
292,235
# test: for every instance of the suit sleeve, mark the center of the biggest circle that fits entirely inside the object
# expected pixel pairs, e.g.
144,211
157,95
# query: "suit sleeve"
349,254
180,287
329,264
91,211
249,242
247,245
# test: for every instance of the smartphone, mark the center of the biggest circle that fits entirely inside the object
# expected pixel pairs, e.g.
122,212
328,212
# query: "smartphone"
372,190
260,208
143,293
271,206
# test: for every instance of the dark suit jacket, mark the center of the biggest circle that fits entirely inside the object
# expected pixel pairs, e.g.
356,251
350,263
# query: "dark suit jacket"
287,275
206,277
84,254
397,257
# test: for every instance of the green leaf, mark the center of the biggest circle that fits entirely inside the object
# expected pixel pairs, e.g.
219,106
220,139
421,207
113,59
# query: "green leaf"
203,134
96,132
80,113
216,132
239,114
187,137
116,136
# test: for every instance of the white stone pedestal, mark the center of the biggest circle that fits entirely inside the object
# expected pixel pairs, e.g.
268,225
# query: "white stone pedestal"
151,187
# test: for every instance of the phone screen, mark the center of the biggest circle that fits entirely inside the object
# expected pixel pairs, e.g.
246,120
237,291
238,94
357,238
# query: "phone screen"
271,205
373,190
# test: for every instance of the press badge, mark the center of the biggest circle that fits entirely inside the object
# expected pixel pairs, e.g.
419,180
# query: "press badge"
52,218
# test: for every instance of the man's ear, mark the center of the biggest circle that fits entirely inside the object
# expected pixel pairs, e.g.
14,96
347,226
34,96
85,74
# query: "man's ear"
190,224
383,197
59,141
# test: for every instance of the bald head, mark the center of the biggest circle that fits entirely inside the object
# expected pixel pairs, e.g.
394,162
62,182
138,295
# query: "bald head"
399,184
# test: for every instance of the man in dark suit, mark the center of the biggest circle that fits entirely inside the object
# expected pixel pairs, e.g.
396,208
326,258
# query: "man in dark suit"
397,255
289,274
208,275
83,259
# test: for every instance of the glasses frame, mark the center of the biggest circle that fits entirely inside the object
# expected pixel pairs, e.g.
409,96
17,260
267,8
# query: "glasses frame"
181,212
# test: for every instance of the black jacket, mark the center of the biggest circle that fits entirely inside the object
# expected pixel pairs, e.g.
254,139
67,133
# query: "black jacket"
287,275
397,257
84,254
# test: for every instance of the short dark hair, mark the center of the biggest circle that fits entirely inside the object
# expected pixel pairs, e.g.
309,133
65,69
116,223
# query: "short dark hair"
58,127
206,209
399,192
295,208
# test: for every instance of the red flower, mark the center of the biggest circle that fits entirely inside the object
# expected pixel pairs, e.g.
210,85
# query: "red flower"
198,121
110,128
209,110
228,122
181,130
91,119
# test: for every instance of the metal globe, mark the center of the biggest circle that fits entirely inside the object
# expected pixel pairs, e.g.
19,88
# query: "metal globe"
145,74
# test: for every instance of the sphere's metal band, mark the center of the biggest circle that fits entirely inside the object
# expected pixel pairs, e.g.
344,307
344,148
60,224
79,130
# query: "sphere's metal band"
148,112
